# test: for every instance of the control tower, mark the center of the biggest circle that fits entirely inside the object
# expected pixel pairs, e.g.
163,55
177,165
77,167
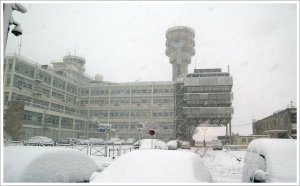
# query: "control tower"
180,48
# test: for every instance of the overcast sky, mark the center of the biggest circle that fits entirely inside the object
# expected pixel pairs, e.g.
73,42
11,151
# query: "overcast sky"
126,42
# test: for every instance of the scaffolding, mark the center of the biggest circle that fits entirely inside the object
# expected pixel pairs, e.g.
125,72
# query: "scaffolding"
203,99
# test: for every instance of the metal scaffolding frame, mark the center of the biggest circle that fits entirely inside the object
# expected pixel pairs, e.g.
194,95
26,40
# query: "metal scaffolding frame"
203,99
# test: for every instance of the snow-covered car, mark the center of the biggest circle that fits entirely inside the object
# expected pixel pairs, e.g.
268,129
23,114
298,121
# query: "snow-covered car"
155,166
172,145
65,142
82,142
161,145
153,144
271,160
217,144
114,141
136,145
96,141
28,164
130,141
117,142
39,141
185,145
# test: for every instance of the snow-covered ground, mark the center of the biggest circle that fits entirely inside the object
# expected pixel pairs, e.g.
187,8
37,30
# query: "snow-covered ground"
225,166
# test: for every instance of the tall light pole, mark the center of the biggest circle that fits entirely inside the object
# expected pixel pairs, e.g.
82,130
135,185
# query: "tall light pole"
140,126
8,20
204,137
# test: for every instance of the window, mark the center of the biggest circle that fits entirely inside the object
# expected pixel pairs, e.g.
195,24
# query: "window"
243,140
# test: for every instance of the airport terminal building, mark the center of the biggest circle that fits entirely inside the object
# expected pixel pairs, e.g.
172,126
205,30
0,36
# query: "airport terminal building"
61,101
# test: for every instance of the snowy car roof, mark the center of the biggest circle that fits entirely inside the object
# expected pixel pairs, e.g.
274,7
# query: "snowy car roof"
155,166
28,164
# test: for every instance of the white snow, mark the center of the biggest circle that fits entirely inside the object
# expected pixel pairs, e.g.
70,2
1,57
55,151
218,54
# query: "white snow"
279,161
155,166
225,166
46,164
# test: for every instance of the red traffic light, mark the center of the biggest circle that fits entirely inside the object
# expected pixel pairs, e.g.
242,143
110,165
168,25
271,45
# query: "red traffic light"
151,132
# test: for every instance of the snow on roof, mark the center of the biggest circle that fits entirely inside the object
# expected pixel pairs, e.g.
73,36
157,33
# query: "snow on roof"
155,166
280,156
46,164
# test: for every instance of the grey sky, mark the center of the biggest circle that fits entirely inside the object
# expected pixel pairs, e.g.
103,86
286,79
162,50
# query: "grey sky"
126,42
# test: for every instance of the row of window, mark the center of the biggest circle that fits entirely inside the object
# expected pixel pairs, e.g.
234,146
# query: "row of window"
208,89
122,101
126,114
86,91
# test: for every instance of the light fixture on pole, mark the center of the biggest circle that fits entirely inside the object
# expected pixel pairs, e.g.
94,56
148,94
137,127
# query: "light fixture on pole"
8,20
139,127
204,137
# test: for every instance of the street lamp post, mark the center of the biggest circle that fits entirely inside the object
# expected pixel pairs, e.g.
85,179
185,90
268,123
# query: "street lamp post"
204,137
8,20
140,126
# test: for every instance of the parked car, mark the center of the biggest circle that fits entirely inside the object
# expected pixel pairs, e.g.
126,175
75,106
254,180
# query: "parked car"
136,145
82,142
24,164
114,141
154,166
66,142
172,145
270,161
161,145
185,145
39,141
96,141
217,145
153,144
179,143
130,141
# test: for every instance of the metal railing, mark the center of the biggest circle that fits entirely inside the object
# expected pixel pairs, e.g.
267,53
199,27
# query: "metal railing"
91,149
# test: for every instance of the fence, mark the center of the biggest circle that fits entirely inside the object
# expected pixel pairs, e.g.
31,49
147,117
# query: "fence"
90,149
235,147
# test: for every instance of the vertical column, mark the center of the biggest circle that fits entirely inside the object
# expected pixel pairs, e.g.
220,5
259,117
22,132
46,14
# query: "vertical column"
59,127
230,128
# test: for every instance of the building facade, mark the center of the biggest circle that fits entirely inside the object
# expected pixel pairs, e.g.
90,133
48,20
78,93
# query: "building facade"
203,99
62,102
244,141
281,124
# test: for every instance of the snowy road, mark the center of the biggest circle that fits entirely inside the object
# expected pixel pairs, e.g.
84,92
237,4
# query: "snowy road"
225,167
